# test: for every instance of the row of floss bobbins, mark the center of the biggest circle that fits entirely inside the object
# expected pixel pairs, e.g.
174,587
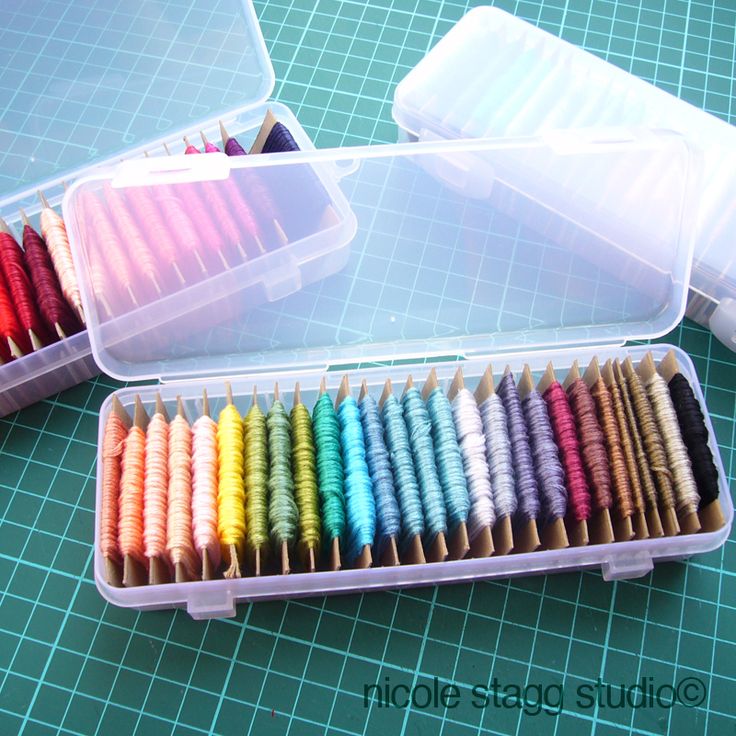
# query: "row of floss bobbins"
39,296
199,229
40,300
611,455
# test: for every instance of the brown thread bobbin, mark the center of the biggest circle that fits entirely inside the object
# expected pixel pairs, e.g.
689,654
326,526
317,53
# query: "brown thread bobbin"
648,487
592,444
656,457
628,449
623,501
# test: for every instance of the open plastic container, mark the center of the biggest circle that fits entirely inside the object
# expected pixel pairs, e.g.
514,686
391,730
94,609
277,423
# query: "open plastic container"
505,251
112,83
525,80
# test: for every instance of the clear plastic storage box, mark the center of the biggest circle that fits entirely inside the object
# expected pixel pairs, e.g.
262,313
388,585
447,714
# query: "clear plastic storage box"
553,247
495,75
111,84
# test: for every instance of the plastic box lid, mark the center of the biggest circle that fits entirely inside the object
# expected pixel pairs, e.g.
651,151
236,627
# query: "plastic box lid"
462,248
525,80
93,82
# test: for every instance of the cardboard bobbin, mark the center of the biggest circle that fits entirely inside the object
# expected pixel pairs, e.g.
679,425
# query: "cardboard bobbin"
113,568
481,545
639,520
667,516
502,533
623,526
134,571
458,544
577,531
335,562
258,559
689,524
282,554
412,552
389,554
711,516
329,217
437,551
526,535
159,568
600,527
308,555
365,558
553,534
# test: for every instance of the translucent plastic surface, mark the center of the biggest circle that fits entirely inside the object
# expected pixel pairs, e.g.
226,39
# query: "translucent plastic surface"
85,82
525,81
64,364
218,597
400,251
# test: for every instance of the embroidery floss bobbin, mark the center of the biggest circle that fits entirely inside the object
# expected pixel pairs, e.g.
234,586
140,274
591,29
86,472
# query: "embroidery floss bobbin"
433,502
359,502
526,535
204,491
330,474
547,467
116,430
500,463
449,462
594,456
405,478
686,492
695,436
155,495
388,517
469,426
130,508
283,513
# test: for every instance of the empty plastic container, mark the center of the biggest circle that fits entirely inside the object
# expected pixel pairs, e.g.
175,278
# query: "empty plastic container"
495,75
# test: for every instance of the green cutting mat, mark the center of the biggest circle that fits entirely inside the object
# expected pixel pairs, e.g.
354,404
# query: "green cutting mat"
70,663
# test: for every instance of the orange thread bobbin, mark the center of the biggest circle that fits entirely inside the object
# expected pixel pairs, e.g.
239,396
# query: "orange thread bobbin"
130,524
156,487
112,451
180,544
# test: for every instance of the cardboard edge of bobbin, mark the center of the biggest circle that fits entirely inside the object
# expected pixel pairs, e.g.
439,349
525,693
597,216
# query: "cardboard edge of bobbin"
711,516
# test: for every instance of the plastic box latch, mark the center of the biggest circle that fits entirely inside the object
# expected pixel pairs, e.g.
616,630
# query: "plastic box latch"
211,604
627,567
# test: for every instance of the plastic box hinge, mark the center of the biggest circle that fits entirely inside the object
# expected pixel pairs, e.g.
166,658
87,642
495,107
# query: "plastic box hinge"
624,568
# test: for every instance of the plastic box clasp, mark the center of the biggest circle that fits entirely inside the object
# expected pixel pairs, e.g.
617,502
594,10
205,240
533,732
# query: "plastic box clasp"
211,604
627,567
